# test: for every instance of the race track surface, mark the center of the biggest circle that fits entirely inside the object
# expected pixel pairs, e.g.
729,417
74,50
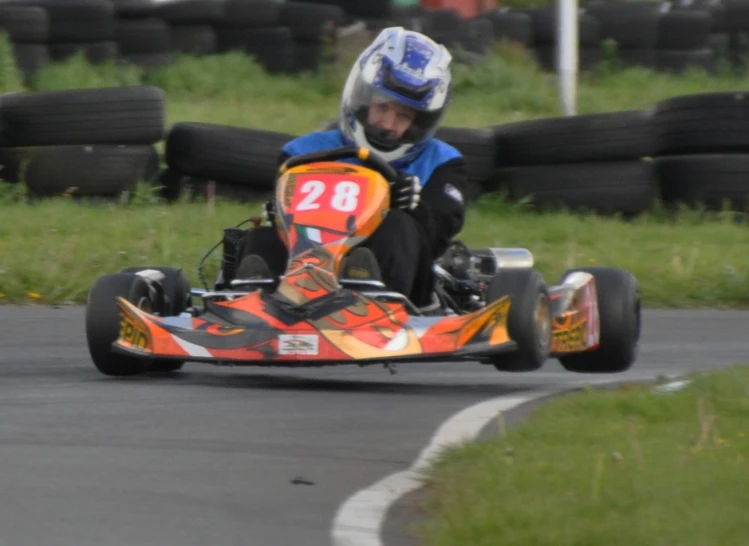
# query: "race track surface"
242,455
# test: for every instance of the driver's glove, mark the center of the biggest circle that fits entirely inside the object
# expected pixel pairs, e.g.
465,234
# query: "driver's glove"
269,212
406,192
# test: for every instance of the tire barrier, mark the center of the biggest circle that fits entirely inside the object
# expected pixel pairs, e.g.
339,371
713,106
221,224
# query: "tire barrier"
301,35
666,36
688,150
86,142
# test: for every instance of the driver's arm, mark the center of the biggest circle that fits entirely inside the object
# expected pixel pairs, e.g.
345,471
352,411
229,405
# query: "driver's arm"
441,211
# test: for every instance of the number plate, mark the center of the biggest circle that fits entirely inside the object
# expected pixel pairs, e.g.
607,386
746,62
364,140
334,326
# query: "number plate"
329,193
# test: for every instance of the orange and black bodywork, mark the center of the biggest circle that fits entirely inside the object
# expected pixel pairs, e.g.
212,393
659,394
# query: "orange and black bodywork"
575,323
257,329
323,210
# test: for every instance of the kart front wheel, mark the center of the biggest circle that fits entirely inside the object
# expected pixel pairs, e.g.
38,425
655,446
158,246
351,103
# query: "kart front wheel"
176,299
103,322
619,312
529,321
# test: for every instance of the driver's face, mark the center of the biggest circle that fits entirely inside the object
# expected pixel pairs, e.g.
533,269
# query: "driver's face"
390,116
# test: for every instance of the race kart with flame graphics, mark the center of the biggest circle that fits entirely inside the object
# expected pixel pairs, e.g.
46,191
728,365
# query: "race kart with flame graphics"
495,307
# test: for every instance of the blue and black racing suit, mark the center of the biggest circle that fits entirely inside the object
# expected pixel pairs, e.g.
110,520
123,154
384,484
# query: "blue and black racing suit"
407,243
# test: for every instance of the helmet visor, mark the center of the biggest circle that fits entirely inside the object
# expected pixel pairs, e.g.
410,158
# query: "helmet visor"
391,119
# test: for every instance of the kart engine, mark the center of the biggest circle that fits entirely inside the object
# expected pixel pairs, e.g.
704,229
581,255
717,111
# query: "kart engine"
464,264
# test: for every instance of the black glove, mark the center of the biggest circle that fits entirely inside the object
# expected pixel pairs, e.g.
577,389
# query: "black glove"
405,192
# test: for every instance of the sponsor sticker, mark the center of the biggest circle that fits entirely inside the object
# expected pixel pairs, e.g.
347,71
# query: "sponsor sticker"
132,333
571,340
298,344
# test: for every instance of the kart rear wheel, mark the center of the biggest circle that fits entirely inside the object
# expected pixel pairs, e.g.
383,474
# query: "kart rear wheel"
619,311
529,321
103,322
177,298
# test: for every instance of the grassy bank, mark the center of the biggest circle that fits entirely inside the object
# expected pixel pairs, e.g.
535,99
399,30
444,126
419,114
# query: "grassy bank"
52,251
647,468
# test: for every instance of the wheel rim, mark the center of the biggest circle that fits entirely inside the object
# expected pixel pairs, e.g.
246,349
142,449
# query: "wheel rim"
144,304
543,322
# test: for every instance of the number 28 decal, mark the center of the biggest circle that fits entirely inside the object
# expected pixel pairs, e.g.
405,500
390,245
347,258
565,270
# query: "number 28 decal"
342,196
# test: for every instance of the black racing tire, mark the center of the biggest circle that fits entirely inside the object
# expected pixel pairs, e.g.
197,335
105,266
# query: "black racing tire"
176,288
176,298
103,323
529,321
621,323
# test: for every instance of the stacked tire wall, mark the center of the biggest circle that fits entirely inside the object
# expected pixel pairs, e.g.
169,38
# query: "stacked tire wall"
285,37
300,35
87,143
691,150
101,142
665,36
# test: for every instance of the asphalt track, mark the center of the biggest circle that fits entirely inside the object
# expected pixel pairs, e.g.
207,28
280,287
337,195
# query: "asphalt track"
244,456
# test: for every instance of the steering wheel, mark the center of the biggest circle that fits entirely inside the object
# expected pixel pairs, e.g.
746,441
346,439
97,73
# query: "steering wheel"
374,162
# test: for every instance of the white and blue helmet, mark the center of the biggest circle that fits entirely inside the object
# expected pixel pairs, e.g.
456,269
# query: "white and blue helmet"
407,67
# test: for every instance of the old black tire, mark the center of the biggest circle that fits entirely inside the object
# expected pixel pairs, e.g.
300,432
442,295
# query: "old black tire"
177,298
103,322
109,115
619,311
529,322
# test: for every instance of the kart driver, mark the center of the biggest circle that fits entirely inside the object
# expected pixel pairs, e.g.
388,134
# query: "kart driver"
393,102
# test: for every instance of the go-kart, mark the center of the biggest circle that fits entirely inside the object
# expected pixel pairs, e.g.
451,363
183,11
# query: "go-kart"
494,306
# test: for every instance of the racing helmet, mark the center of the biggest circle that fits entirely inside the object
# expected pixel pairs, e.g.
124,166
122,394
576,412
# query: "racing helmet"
402,66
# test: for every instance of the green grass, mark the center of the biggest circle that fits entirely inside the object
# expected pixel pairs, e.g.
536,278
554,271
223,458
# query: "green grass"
647,468
51,251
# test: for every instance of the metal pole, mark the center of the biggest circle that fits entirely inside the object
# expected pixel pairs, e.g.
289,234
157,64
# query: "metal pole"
567,50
